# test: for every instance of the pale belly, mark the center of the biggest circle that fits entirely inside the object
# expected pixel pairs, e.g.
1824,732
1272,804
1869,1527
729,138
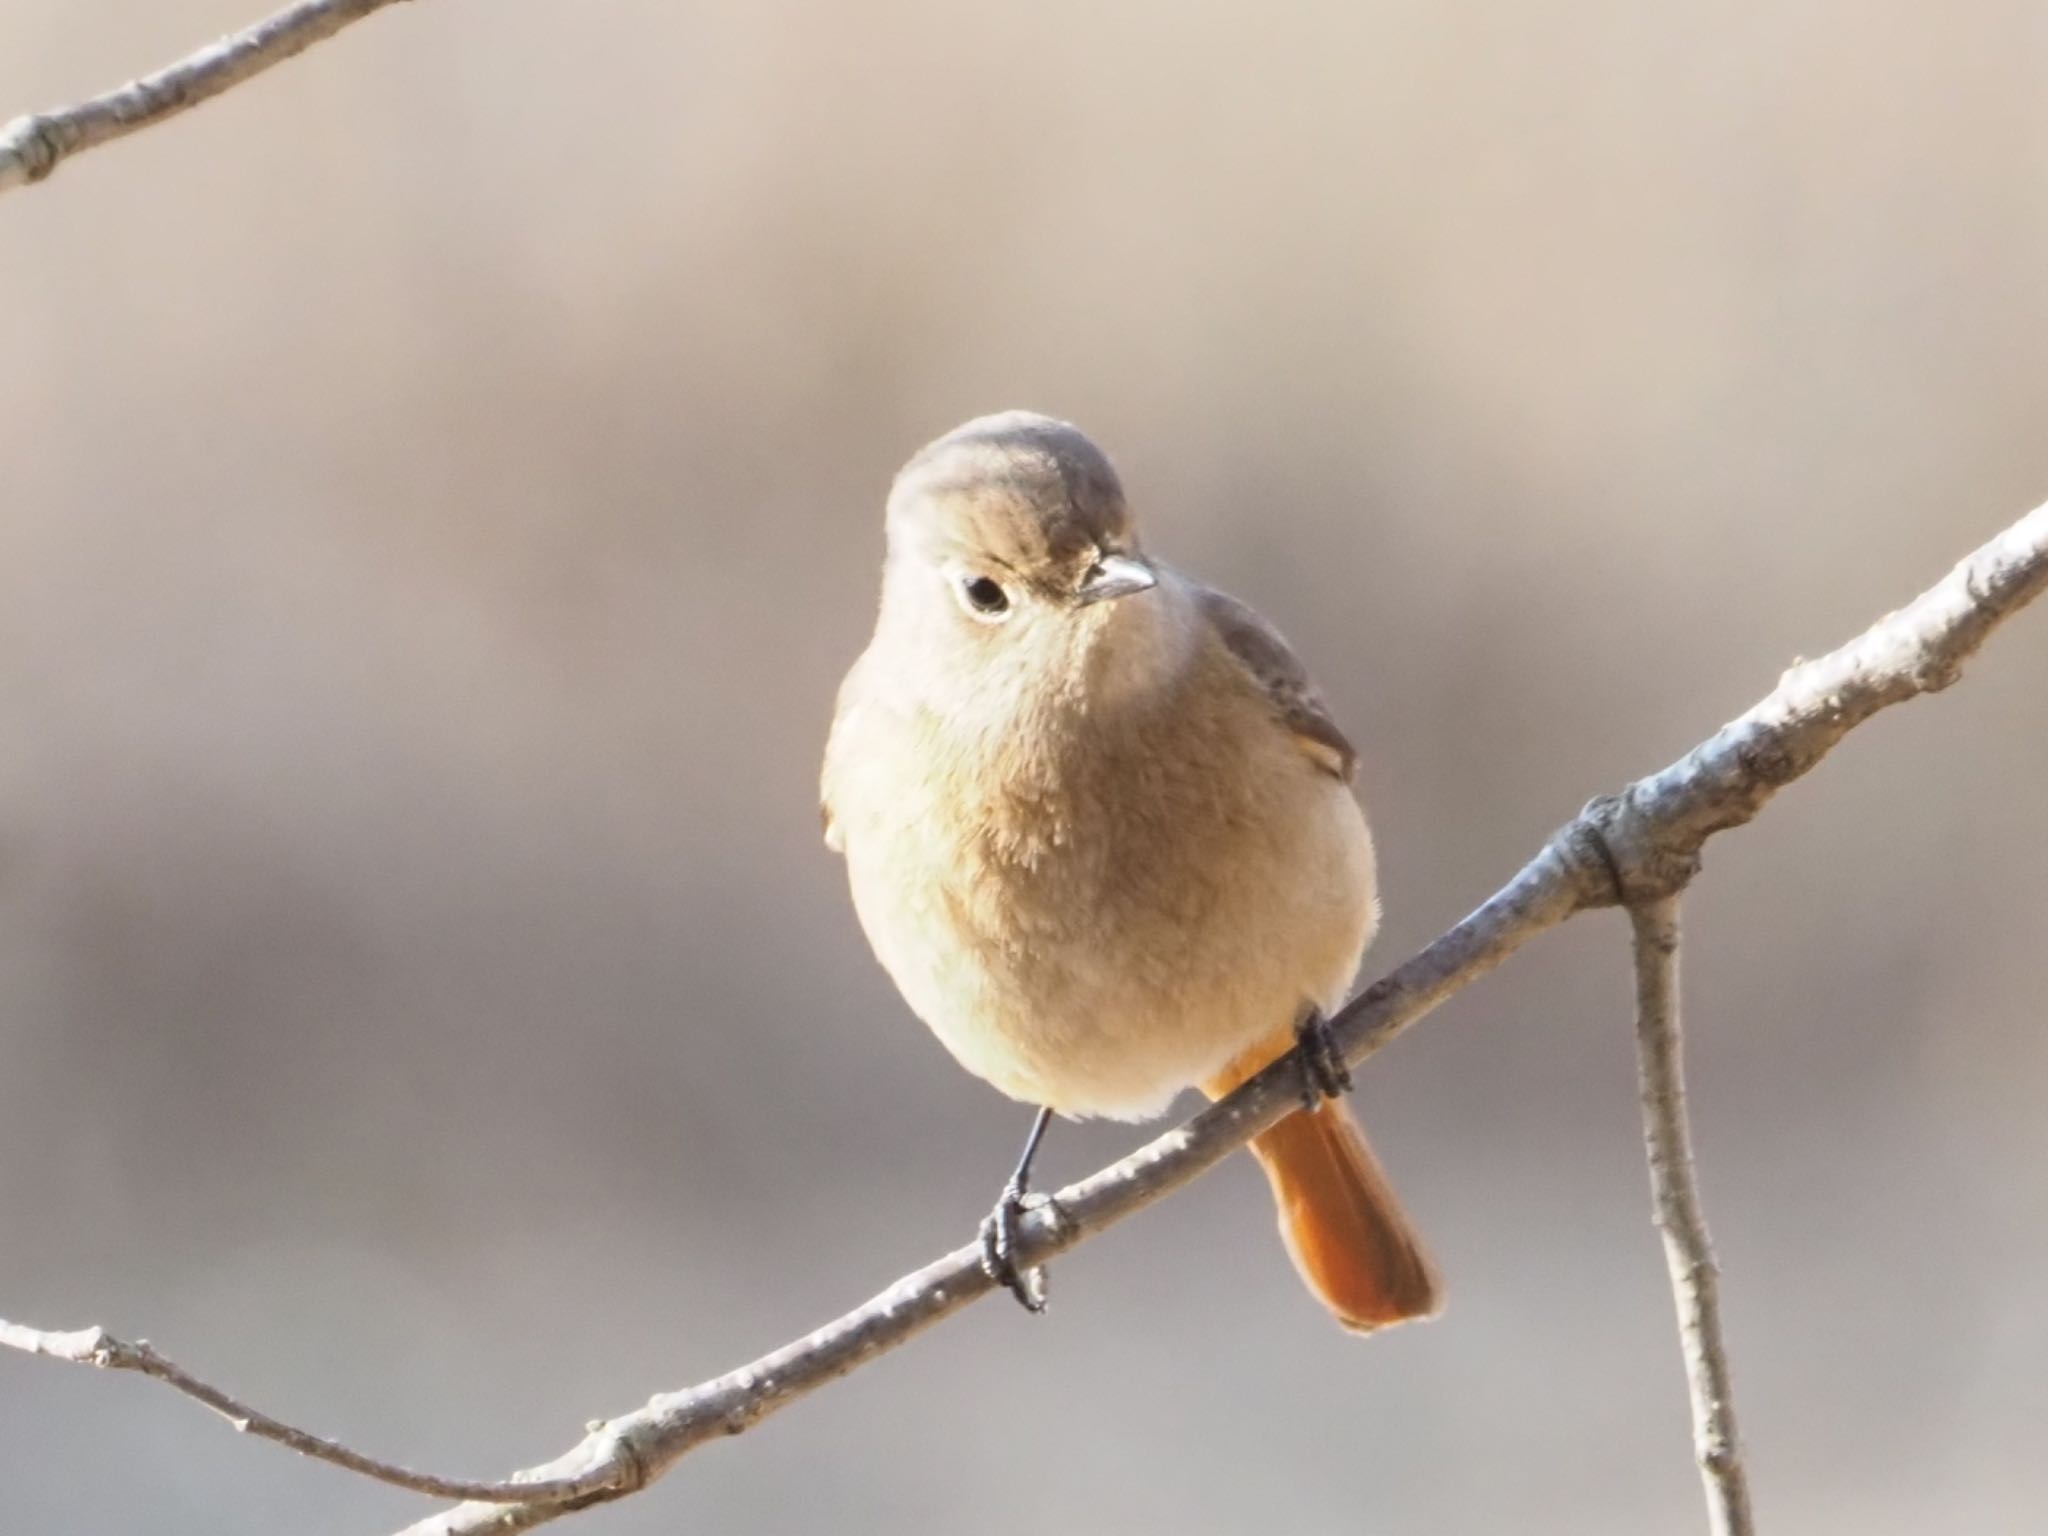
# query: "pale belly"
1102,981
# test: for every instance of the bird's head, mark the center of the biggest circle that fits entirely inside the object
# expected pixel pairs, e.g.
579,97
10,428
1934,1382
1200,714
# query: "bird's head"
1013,561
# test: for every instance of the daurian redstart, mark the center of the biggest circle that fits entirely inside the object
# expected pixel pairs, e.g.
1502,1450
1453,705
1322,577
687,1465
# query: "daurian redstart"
1100,831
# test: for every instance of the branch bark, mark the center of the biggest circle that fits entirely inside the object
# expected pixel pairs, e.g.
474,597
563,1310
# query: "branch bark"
31,147
1638,846
1688,1251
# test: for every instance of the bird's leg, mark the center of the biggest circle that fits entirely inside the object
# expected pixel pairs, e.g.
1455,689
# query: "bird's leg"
999,1231
1324,1073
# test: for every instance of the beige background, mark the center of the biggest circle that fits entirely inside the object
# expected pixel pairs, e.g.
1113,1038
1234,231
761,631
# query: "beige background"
439,491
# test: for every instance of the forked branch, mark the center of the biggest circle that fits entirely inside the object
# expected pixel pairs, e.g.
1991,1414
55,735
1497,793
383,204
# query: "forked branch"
1635,847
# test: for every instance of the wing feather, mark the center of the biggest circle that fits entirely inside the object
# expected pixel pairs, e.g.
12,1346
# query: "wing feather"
1296,700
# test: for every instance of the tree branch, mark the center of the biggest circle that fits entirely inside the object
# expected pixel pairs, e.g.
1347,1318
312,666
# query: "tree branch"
97,1347
1637,846
1688,1251
32,146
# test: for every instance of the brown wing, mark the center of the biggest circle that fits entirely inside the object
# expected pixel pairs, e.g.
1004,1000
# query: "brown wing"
1286,682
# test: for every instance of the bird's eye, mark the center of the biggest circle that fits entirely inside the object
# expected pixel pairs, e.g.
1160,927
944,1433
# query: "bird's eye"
984,597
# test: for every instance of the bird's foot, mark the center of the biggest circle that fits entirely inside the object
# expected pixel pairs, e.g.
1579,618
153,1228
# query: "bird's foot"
1324,1073
999,1239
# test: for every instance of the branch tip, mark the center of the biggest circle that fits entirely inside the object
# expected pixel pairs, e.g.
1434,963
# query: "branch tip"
32,146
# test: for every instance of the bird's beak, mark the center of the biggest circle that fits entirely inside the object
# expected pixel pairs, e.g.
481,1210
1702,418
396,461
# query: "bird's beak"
1115,576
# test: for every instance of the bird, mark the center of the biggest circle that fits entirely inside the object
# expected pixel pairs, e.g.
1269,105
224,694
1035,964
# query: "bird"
1100,830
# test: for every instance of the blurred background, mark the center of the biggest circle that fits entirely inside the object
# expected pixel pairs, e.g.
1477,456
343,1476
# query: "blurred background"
440,491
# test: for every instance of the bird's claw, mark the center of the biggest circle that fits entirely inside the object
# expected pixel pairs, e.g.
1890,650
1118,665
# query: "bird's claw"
1324,1072
999,1240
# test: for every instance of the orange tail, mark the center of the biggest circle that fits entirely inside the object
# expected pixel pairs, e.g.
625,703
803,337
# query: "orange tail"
1340,1218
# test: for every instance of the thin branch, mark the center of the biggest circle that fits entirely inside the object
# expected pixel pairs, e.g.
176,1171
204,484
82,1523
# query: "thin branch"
1655,827
1636,846
1688,1251
32,146
95,1346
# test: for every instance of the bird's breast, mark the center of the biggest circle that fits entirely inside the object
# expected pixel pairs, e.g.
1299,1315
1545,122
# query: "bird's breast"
1095,919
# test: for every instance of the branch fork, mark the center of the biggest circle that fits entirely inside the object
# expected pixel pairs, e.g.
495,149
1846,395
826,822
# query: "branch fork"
1637,848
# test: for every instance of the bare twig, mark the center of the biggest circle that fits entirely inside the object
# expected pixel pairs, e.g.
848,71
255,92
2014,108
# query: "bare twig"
1688,1251
1633,847
31,147
95,1346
